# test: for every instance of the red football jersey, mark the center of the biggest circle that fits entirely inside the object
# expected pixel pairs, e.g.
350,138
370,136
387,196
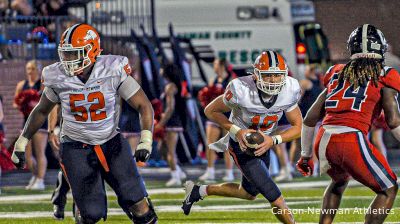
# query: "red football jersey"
355,108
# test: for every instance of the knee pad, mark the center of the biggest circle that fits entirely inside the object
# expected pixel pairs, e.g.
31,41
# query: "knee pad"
149,218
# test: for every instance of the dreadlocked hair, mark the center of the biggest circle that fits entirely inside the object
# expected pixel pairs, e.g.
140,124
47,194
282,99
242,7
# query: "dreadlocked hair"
361,70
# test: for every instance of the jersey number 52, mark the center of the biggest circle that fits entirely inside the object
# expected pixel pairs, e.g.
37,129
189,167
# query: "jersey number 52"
81,113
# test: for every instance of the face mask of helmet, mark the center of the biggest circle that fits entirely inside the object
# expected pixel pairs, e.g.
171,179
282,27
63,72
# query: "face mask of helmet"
74,59
269,81
367,41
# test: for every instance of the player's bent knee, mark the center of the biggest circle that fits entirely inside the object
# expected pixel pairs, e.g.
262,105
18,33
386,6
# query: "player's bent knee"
392,191
250,197
246,195
339,187
92,215
148,217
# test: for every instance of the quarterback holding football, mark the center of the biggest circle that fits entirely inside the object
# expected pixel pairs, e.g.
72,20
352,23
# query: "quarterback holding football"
256,102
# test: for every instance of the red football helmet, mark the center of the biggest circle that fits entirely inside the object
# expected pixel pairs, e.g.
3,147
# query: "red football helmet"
79,46
270,70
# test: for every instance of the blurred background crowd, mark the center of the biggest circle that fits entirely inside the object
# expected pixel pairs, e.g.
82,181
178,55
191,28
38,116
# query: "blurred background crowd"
195,54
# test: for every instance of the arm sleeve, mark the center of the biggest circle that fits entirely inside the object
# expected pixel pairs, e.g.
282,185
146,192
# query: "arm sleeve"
230,95
128,88
391,79
51,94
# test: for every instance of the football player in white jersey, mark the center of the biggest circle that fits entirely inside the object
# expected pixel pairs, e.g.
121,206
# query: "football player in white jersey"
256,102
88,87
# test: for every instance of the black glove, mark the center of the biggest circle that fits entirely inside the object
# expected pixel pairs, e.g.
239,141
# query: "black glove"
21,159
142,155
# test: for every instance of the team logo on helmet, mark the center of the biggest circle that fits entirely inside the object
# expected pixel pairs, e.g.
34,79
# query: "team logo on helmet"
90,35
79,48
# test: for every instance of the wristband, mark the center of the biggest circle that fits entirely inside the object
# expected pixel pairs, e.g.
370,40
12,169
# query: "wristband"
146,136
234,130
21,144
276,139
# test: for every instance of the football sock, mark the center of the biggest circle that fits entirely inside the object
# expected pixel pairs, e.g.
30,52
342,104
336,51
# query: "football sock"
203,191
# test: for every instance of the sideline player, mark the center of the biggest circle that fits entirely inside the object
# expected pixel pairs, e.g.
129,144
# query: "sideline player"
256,102
355,94
88,87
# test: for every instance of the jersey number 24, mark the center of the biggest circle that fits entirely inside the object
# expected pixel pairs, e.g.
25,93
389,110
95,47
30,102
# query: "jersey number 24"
357,95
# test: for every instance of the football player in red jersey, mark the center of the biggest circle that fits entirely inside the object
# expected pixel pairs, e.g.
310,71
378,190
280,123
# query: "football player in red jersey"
355,94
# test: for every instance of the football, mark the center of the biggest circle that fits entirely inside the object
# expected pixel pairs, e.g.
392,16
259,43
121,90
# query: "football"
253,140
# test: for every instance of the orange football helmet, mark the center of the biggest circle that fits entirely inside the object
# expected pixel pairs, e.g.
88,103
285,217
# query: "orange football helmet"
270,70
79,46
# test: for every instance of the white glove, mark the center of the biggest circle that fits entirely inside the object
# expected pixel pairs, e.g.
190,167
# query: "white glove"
143,150
18,155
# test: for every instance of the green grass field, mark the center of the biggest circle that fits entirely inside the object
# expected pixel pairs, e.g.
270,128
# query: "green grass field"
35,207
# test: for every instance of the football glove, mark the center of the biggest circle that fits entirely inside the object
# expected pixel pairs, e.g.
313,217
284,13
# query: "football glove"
18,155
305,166
143,150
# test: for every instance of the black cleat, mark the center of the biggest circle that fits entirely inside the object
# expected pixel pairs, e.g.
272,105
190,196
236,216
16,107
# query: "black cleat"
58,212
192,196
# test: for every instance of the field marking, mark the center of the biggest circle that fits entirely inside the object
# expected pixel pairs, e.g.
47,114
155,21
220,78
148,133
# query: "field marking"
163,208
29,199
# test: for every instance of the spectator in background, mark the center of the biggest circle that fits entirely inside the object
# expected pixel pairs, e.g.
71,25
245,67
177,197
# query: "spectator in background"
174,104
213,130
5,157
51,8
15,7
22,7
26,97
311,88
4,7
1,116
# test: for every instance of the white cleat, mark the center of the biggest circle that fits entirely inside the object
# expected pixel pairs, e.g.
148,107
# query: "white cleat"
31,182
38,185
207,177
173,182
284,177
182,175
228,177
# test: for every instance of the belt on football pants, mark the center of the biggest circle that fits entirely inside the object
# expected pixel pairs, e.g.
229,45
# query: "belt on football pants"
328,131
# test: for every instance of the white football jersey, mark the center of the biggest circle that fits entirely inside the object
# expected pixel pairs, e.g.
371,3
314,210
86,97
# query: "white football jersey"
241,95
90,111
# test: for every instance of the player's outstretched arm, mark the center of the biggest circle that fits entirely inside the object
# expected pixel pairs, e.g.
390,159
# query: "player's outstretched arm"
35,120
391,109
215,112
141,103
296,120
